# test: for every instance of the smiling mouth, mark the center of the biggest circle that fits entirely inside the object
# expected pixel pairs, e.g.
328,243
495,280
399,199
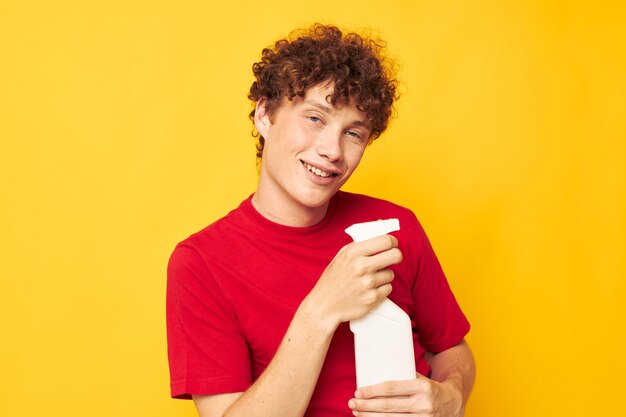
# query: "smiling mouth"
318,171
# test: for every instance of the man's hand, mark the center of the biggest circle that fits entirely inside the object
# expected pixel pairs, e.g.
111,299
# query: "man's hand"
443,395
355,281
417,397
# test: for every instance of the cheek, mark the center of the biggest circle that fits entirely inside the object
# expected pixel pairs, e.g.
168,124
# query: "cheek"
353,155
303,135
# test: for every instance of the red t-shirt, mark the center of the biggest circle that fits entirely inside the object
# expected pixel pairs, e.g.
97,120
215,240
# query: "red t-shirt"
234,287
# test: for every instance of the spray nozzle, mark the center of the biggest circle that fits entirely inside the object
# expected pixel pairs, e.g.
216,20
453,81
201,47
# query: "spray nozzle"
363,231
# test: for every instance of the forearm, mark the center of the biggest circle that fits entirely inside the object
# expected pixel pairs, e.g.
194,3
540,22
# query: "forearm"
454,366
285,387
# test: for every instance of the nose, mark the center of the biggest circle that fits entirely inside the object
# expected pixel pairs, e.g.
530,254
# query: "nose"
328,145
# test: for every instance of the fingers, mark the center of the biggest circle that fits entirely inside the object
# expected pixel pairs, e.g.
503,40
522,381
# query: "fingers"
389,257
383,405
372,257
358,278
383,291
374,254
376,414
393,398
394,388
374,245
382,277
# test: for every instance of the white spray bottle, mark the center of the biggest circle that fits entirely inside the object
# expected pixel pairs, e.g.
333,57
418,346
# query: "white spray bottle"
383,339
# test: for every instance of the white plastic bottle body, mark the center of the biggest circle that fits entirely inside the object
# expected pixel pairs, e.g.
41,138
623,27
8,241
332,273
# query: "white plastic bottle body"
383,338
383,345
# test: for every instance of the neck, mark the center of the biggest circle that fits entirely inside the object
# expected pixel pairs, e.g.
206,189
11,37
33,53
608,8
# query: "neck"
287,213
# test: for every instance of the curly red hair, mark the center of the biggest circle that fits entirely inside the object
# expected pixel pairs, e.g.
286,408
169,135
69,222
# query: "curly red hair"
355,64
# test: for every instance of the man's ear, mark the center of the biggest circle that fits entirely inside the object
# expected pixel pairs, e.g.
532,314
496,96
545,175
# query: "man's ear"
261,117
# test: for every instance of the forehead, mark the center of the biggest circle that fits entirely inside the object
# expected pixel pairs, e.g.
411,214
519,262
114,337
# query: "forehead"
320,96
323,93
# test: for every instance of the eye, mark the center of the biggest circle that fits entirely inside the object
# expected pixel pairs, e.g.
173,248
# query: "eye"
314,119
354,134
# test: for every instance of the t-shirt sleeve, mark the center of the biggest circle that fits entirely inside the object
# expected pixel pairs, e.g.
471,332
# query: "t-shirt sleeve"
439,320
207,352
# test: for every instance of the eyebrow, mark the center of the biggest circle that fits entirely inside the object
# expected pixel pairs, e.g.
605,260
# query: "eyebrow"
330,110
320,106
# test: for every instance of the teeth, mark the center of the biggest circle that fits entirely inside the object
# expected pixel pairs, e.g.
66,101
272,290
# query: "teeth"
317,171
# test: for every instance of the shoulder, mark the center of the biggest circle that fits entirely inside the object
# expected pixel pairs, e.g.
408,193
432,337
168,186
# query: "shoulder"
217,232
214,241
199,261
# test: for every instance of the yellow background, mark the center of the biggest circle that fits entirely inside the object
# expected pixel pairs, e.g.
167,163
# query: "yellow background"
124,128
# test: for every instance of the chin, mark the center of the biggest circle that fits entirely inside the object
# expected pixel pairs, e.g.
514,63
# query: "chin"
316,199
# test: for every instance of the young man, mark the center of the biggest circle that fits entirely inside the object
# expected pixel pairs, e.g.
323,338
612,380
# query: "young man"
258,302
